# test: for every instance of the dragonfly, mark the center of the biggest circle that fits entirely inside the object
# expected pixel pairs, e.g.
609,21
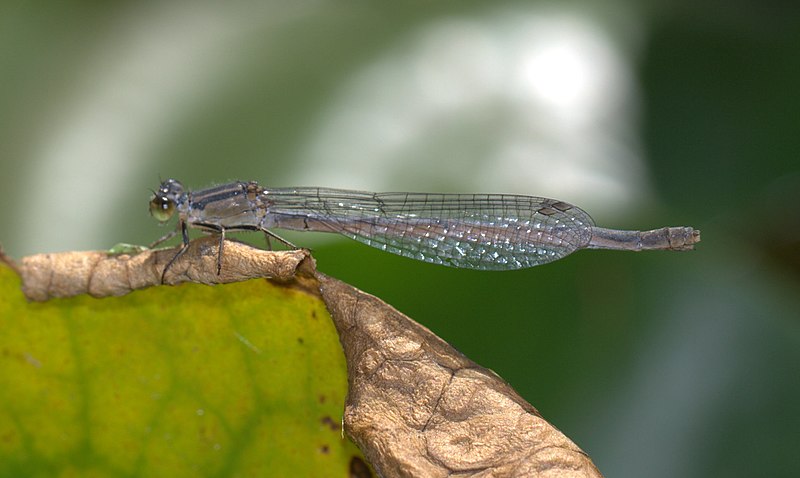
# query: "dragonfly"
471,231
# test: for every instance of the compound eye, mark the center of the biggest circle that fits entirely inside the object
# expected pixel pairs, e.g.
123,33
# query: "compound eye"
162,208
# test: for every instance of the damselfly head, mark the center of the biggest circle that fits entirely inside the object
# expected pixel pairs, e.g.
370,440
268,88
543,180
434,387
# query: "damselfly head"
165,200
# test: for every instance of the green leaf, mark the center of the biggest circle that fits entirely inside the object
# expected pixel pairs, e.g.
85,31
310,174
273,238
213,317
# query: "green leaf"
242,379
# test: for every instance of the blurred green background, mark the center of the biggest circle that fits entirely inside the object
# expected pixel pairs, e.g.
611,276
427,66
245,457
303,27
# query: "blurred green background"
645,114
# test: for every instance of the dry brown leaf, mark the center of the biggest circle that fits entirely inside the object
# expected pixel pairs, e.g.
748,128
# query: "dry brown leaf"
418,407
415,406
100,274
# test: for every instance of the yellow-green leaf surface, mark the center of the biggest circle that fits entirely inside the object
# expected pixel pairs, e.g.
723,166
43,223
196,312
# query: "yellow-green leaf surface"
243,379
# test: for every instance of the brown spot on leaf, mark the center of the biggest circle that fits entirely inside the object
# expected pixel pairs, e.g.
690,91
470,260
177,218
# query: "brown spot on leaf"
330,423
359,469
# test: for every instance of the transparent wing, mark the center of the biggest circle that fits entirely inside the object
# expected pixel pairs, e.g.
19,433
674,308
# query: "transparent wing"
475,231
